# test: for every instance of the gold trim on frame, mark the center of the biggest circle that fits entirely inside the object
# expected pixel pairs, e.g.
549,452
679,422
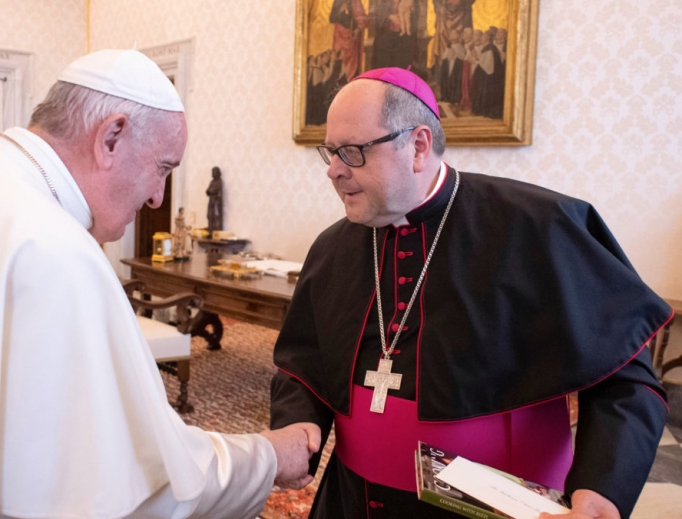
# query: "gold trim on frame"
515,127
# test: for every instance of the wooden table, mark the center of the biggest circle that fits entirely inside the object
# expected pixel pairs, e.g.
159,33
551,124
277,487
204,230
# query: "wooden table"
263,301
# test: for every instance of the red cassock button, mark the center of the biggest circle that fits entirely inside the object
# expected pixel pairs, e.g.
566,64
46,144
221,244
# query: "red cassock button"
402,280
402,306
395,327
404,232
401,255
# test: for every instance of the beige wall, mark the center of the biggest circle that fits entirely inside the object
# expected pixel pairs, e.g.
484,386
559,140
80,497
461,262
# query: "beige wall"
53,32
608,119
239,113
608,113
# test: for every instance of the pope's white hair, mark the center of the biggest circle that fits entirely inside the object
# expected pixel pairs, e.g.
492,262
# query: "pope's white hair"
70,112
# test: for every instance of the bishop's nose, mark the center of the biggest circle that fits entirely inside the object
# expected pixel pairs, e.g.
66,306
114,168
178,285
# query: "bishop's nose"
338,168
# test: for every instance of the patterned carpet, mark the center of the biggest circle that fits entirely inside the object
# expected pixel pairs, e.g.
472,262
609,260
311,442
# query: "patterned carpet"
230,390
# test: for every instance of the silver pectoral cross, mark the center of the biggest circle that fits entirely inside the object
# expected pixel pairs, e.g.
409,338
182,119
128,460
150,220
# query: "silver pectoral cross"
382,380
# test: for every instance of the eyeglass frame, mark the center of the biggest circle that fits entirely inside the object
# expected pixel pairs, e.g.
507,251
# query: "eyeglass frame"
321,148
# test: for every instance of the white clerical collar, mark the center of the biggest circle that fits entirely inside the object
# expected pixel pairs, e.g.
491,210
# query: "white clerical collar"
441,178
70,195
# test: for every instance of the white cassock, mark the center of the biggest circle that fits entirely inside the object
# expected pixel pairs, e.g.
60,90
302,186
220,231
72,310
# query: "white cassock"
86,430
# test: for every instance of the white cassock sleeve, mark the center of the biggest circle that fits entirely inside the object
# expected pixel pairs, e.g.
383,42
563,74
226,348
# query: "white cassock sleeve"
234,485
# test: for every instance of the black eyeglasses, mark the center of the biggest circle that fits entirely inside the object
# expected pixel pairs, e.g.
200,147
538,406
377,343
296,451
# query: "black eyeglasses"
352,154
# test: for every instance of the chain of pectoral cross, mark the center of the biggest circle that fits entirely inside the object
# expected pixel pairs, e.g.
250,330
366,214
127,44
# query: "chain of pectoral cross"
382,380
36,164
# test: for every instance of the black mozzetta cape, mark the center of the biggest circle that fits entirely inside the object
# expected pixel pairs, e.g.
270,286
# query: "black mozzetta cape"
528,297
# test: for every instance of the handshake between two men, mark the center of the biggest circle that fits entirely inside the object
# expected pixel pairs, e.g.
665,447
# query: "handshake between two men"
294,446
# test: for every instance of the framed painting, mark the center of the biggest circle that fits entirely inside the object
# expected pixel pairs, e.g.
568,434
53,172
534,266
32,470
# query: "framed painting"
478,56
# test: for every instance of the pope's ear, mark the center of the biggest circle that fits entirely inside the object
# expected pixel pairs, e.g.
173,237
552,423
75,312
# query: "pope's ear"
108,138
422,147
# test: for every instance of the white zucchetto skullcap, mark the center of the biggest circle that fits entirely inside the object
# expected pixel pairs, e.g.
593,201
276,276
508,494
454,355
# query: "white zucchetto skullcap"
124,73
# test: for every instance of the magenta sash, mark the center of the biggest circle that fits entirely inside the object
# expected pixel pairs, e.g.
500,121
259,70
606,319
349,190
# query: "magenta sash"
533,443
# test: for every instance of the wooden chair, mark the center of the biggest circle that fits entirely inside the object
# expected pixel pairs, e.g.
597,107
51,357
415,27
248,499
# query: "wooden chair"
658,353
170,344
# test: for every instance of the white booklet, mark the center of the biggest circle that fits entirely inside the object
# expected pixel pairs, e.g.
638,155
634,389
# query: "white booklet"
498,491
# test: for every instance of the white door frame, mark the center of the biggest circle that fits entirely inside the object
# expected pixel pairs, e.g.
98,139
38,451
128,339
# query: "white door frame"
175,59
15,67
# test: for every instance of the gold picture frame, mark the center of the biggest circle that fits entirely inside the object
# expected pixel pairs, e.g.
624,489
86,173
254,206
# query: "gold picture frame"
437,38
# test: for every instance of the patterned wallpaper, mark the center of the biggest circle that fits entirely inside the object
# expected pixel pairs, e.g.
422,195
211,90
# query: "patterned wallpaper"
607,126
239,113
54,32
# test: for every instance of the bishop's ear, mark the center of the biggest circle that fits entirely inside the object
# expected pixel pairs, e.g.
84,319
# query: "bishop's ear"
109,137
422,147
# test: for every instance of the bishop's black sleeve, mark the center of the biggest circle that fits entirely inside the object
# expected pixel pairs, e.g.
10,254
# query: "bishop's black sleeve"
292,402
620,423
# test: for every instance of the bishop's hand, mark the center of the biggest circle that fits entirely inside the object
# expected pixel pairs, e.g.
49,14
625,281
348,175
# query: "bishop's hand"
587,504
294,445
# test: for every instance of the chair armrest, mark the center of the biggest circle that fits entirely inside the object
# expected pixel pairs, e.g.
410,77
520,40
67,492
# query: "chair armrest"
183,302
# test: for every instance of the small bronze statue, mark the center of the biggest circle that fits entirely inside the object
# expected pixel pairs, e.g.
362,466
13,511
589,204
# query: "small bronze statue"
180,236
215,202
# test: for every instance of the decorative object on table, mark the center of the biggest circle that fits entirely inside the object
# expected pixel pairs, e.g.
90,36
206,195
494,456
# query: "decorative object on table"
215,202
253,255
276,267
218,248
162,247
180,236
232,269
223,235
199,234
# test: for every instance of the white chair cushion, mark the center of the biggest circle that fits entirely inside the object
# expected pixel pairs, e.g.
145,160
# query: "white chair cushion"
165,341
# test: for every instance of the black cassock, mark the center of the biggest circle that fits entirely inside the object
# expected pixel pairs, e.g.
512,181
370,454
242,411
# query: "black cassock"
528,297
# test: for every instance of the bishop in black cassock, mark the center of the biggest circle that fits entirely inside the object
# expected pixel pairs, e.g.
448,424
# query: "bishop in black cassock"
527,298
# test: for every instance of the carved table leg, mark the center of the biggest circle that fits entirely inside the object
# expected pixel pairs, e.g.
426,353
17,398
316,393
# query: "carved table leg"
213,337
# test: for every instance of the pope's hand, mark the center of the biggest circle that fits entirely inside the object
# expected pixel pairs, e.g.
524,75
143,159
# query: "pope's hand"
587,504
294,445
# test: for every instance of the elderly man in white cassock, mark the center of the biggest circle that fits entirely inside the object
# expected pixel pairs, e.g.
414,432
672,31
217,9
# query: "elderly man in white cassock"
85,427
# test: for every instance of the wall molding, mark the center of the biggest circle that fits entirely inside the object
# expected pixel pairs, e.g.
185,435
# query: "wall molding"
175,60
15,68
